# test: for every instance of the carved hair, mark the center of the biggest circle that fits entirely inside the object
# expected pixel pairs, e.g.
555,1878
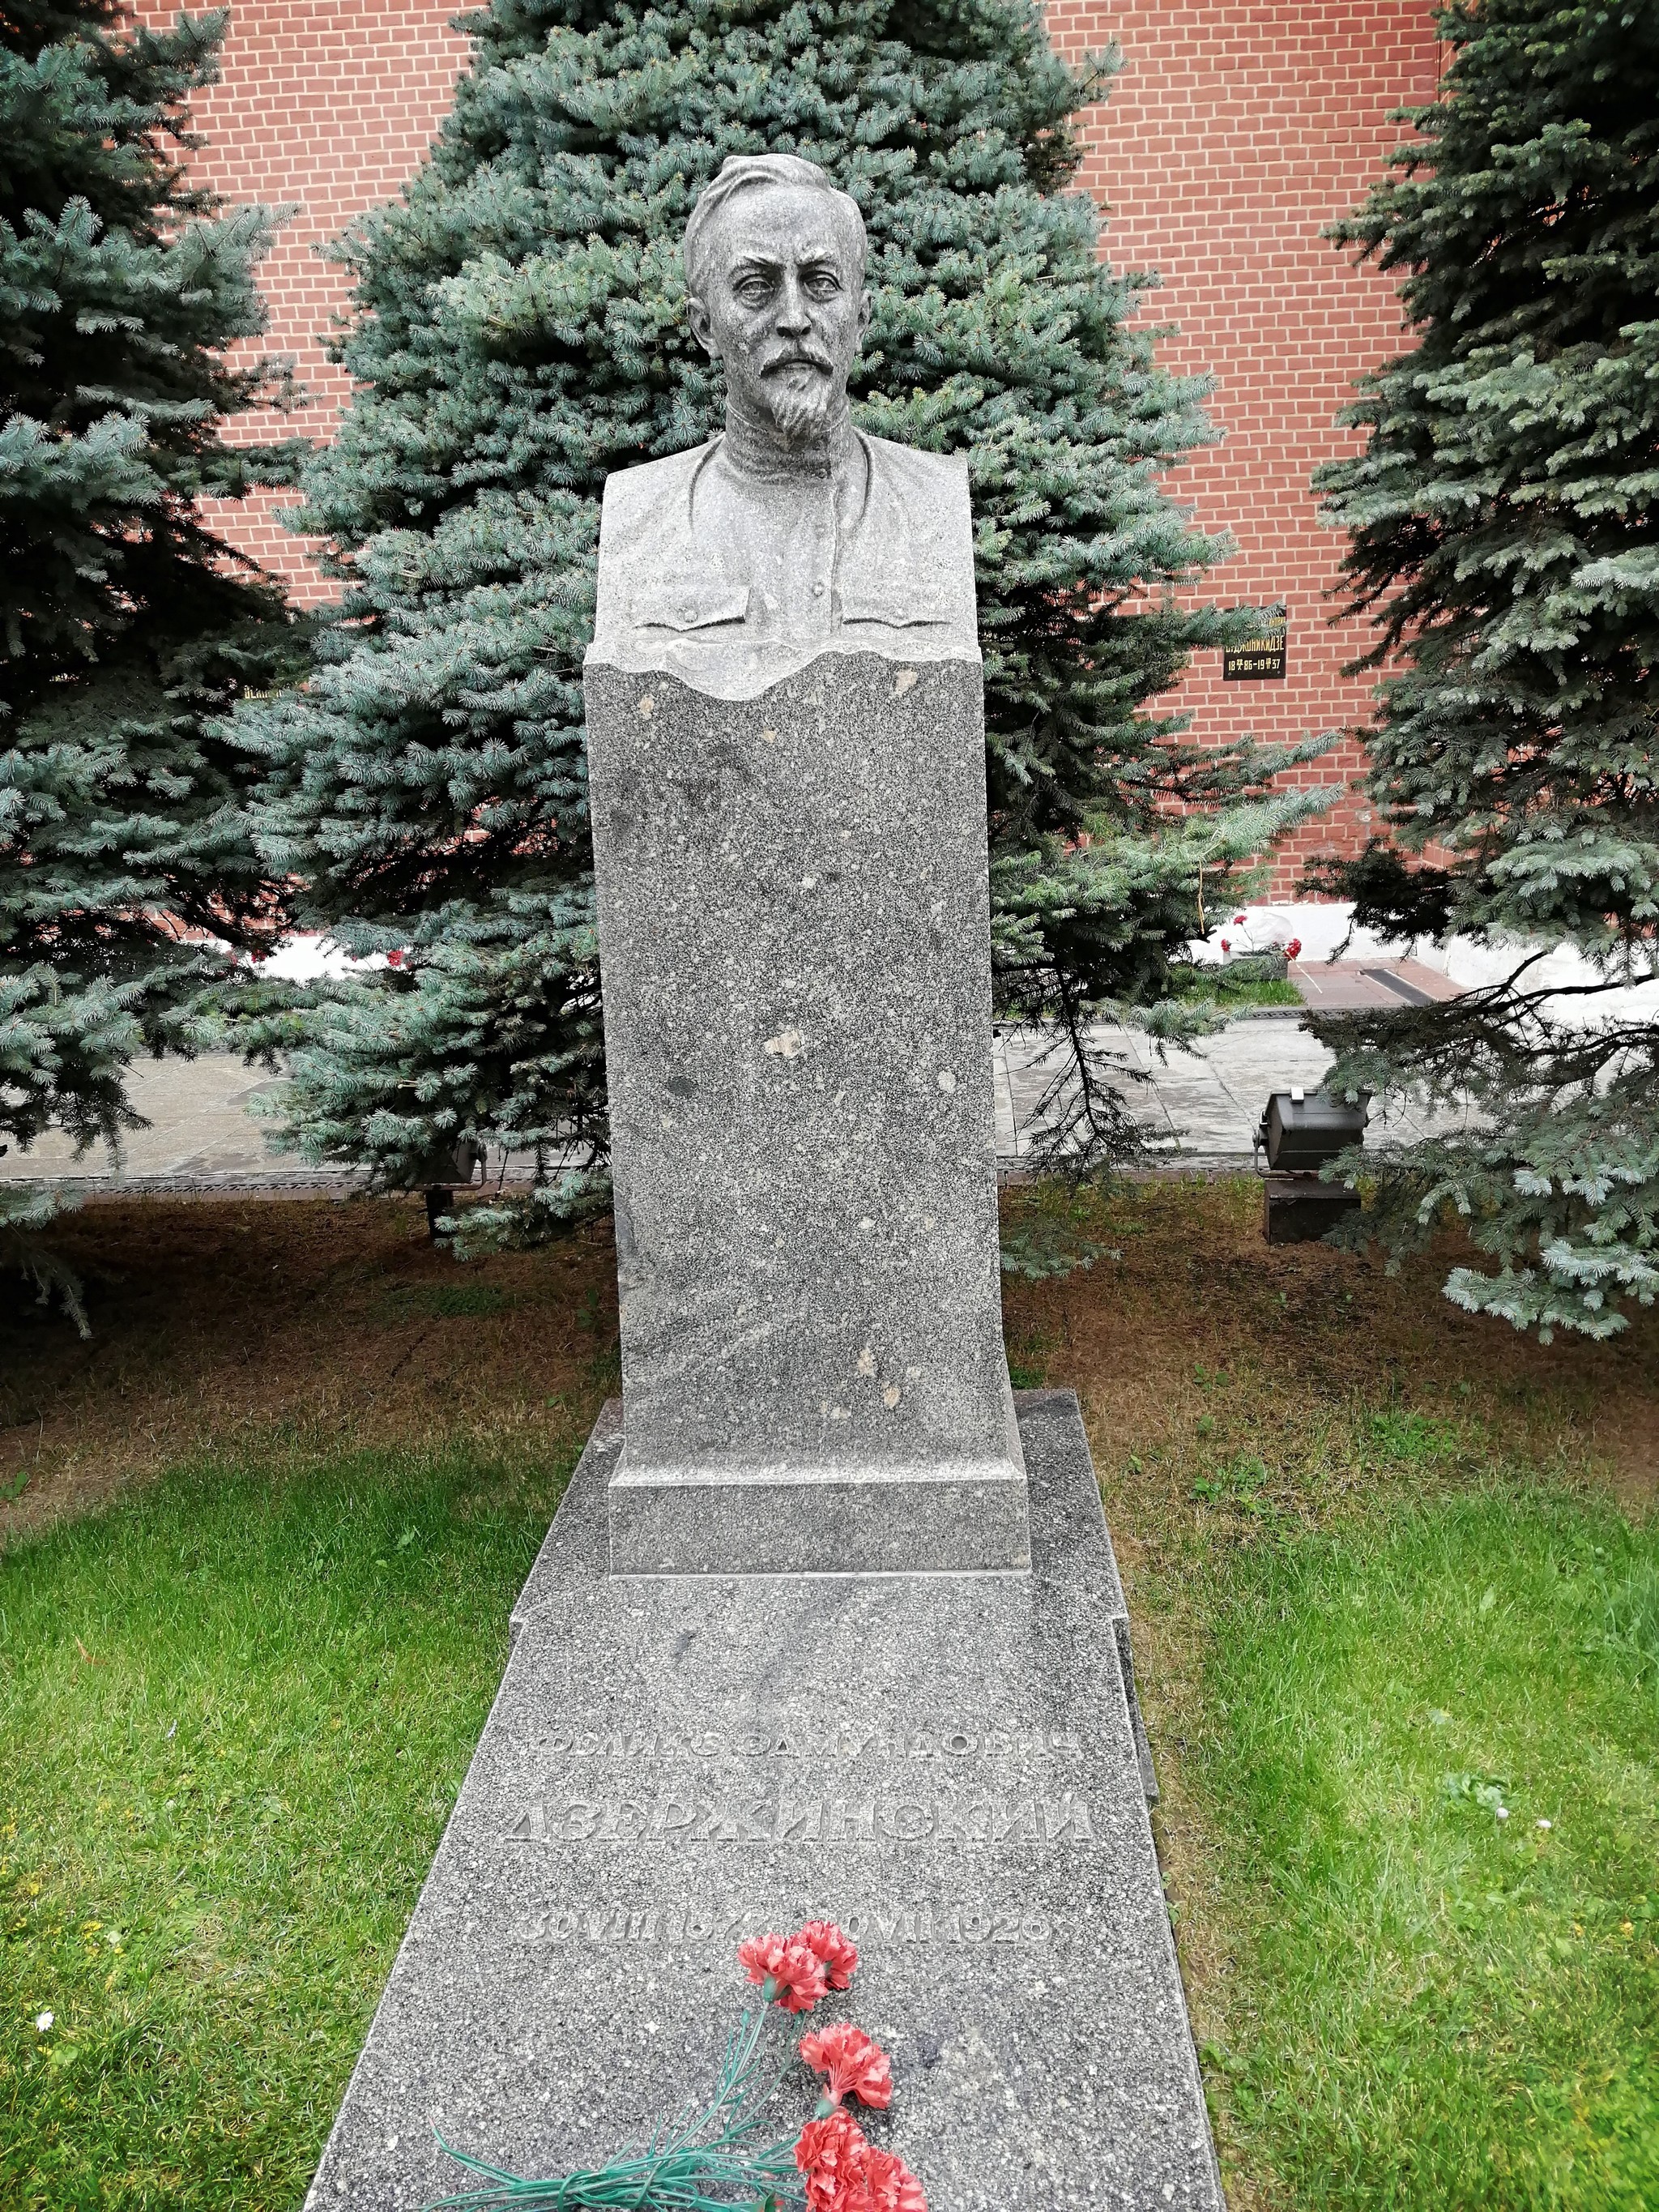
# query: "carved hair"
748,172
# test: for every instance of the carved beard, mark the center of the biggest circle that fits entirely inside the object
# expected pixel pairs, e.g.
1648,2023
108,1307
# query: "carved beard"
801,412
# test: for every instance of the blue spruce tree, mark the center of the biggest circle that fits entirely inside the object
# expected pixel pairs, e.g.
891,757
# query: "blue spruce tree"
127,870
1504,536
520,334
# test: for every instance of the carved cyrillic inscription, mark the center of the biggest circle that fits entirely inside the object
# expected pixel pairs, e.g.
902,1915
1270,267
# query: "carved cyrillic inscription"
869,1926
840,1744
672,1817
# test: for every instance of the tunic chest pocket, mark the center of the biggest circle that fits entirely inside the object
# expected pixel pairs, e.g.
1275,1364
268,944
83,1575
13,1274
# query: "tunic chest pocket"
685,602
902,606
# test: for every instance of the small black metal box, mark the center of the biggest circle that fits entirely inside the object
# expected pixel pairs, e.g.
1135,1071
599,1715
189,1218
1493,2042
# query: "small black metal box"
1302,1130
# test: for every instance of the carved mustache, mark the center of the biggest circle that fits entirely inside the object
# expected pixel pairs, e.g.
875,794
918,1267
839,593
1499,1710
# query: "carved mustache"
799,357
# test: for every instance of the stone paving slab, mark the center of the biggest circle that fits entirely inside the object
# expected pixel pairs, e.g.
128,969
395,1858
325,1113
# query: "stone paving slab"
1355,985
202,1128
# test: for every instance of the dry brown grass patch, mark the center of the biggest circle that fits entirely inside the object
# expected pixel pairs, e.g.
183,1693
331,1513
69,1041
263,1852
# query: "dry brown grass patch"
311,1323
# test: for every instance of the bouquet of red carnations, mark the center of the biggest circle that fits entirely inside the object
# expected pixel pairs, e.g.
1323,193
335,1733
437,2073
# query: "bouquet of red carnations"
719,2157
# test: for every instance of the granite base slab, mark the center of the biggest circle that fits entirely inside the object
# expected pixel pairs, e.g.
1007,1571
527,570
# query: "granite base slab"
951,1766
796,1521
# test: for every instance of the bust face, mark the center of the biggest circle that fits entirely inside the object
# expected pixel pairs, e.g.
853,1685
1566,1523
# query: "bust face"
781,305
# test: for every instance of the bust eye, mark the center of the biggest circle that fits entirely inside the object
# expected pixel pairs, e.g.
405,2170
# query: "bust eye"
754,291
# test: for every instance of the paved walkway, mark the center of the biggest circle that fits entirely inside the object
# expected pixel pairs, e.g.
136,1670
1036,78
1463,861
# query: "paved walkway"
1208,1101
204,1135
201,1134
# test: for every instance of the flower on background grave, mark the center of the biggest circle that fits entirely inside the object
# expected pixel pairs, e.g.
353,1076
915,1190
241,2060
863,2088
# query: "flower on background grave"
889,2184
1260,933
854,2066
787,1972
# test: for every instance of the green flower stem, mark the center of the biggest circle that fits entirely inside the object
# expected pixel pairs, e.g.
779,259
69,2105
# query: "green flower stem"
680,2167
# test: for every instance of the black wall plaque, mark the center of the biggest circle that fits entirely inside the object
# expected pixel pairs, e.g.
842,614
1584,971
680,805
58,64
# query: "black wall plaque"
1260,656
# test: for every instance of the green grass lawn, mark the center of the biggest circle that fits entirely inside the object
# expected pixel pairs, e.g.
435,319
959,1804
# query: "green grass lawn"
1430,1760
234,1713
1392,1571
1217,986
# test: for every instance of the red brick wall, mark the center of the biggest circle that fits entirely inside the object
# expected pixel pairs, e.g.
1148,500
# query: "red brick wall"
1234,133
325,106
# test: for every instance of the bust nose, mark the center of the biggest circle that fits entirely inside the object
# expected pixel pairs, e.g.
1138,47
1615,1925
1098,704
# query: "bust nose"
793,318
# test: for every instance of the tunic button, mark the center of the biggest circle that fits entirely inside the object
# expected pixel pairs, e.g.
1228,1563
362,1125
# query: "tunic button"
818,591
686,613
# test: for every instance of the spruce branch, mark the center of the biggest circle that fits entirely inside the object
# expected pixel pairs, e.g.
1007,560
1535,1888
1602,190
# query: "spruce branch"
1503,537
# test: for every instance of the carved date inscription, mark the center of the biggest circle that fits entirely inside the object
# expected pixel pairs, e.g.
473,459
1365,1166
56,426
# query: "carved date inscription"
925,1923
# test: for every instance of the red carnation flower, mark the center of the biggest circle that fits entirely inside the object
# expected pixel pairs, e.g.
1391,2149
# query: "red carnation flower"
1226,945
1239,919
1293,950
787,1972
838,1951
831,2153
888,2183
855,2066
846,2173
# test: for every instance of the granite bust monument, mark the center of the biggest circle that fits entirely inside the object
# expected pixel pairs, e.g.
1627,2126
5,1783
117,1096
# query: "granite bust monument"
821,1628
793,533
786,755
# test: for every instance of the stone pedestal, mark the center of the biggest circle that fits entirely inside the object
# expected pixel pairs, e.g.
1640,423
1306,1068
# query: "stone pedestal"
949,1765
794,930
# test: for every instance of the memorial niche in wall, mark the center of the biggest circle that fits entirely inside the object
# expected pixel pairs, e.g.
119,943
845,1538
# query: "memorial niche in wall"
1262,655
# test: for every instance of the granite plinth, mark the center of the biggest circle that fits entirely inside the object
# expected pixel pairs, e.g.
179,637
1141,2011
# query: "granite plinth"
794,928
928,1520
949,1766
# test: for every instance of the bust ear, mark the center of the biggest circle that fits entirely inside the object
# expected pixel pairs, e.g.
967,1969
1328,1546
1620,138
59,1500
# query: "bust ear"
865,304
702,329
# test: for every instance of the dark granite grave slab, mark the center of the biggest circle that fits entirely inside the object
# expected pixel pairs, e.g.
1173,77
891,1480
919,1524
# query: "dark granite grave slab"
950,1765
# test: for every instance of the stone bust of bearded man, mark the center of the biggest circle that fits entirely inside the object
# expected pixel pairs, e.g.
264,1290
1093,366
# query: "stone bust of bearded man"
792,534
